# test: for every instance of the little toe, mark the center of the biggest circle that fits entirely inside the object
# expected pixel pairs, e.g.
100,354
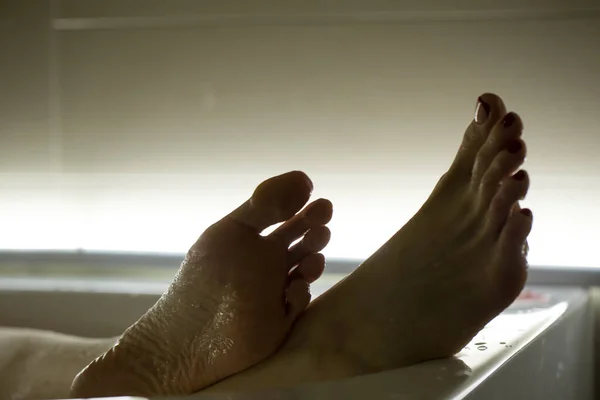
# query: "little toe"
504,202
315,214
504,135
518,208
516,230
274,200
297,297
512,251
310,268
503,165
490,108
314,241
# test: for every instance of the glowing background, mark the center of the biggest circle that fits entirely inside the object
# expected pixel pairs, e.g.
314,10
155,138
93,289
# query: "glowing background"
137,139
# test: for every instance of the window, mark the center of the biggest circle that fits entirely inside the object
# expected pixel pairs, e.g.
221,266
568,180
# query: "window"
129,127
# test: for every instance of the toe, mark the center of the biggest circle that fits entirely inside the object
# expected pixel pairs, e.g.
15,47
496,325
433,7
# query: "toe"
512,190
515,231
298,298
314,241
517,208
504,135
315,214
511,249
490,108
275,200
504,164
310,268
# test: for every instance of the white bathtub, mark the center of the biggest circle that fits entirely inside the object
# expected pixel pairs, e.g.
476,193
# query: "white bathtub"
540,348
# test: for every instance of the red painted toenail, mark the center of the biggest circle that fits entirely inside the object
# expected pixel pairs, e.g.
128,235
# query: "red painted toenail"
482,111
508,120
514,147
526,212
519,176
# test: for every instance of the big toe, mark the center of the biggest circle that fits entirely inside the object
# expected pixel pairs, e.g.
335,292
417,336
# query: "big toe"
275,200
488,111
315,214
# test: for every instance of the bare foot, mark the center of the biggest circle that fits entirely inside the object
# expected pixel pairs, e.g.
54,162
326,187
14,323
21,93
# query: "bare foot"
427,292
231,304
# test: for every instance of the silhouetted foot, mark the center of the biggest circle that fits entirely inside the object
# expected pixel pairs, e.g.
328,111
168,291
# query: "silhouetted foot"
232,303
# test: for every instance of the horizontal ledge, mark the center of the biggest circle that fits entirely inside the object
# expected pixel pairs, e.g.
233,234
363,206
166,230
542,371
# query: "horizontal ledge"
213,20
564,276
113,263
94,261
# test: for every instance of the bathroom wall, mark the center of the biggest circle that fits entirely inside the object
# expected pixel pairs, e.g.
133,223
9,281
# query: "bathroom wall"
129,125
88,314
25,137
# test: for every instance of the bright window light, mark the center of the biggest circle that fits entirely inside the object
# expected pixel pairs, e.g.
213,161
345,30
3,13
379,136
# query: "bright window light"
165,214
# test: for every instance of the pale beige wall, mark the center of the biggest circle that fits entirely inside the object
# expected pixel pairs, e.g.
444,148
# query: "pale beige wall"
25,143
373,112
342,98
88,314
128,8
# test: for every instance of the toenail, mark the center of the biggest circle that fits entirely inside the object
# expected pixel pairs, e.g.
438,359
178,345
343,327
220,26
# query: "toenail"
519,176
526,212
508,120
514,147
482,111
